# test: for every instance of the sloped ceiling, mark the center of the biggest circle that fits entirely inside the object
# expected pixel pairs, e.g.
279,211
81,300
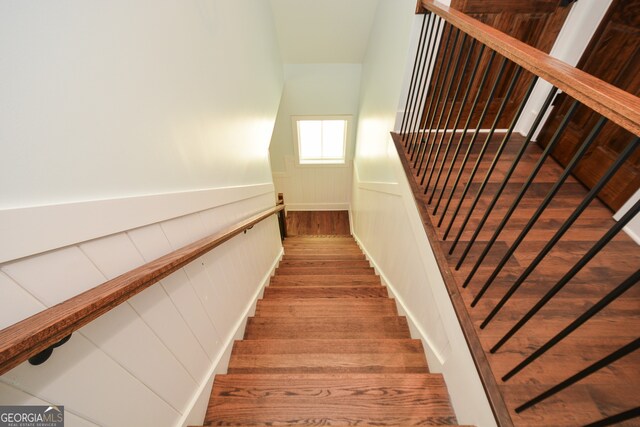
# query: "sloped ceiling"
323,31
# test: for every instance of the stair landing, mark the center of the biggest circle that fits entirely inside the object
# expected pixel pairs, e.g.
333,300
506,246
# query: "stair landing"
326,347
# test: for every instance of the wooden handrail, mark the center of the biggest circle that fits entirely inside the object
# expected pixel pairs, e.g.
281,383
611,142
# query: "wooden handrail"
29,337
617,105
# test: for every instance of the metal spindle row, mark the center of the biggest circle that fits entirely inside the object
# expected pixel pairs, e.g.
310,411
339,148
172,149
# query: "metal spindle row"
451,69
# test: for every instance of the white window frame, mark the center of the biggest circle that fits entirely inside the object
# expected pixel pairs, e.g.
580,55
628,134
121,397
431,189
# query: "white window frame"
347,140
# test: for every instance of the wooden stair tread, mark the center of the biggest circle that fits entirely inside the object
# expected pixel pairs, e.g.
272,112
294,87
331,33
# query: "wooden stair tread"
326,347
328,307
326,270
300,346
326,256
326,327
320,243
325,280
306,356
362,399
325,292
334,252
333,424
312,247
320,238
325,263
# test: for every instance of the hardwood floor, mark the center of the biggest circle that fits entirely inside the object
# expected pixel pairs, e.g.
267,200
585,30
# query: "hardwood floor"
609,391
326,347
314,223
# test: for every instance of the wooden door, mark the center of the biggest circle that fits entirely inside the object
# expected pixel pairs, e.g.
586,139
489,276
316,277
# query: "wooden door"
535,22
613,55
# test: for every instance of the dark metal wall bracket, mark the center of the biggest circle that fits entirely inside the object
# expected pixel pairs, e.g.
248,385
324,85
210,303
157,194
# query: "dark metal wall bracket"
45,354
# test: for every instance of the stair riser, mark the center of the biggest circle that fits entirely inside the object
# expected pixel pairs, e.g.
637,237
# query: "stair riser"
328,280
325,292
305,346
324,264
358,308
326,328
317,256
328,363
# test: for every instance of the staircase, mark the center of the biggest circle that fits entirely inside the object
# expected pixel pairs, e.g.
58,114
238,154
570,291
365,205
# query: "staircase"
326,347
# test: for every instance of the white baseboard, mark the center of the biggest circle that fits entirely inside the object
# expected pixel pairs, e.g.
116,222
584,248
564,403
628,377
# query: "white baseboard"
631,233
196,410
318,207
430,348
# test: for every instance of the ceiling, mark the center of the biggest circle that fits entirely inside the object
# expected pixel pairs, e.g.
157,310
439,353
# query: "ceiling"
323,31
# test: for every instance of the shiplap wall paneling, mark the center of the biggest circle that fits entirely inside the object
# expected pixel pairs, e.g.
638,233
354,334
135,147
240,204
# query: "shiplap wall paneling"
93,385
22,305
18,397
158,348
315,187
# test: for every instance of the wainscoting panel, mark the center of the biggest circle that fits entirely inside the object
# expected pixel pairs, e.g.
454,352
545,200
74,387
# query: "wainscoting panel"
314,188
160,348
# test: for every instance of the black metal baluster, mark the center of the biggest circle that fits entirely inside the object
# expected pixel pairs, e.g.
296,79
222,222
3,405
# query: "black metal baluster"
480,87
554,140
426,79
505,181
617,419
435,107
525,187
446,124
423,85
547,200
595,309
592,194
455,127
494,162
595,249
475,133
616,355
444,129
435,80
485,146
415,72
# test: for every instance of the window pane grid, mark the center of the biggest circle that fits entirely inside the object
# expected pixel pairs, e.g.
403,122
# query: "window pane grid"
321,141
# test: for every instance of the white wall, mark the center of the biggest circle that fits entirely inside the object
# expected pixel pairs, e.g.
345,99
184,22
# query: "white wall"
129,129
386,222
314,89
102,100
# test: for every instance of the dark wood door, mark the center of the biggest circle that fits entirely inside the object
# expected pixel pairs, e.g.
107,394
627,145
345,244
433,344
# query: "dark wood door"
535,22
613,55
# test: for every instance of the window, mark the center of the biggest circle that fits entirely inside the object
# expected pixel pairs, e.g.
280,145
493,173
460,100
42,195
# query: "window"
321,141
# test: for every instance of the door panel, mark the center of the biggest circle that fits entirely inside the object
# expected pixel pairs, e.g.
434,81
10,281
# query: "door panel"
613,56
